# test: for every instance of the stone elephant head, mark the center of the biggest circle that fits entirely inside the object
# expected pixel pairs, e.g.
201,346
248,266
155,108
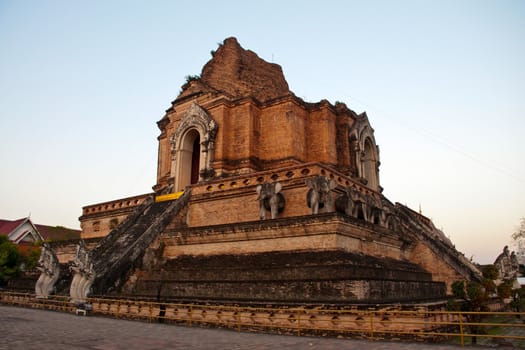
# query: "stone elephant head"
387,215
270,198
319,194
350,202
372,209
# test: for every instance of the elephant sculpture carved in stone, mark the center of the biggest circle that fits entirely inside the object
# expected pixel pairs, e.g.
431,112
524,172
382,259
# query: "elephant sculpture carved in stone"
49,268
386,216
319,195
350,202
367,207
371,209
270,198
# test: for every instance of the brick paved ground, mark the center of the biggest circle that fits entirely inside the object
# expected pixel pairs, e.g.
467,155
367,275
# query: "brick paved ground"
22,328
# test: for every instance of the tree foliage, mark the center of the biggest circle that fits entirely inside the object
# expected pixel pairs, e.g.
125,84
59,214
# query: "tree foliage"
505,289
518,300
474,295
519,237
29,257
475,298
489,285
490,272
9,260
458,289
15,259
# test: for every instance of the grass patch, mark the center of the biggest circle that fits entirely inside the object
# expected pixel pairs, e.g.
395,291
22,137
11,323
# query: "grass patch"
516,327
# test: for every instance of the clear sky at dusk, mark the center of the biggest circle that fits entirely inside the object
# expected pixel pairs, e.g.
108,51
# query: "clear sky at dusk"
83,83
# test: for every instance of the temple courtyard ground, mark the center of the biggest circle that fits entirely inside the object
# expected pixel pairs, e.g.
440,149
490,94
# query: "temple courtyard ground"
26,329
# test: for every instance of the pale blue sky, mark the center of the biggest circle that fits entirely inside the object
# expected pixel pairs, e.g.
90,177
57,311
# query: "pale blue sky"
82,84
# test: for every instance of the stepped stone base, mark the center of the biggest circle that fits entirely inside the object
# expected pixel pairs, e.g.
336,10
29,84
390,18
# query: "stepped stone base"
315,277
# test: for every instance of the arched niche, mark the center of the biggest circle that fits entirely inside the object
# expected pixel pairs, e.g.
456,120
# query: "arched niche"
192,148
364,154
369,164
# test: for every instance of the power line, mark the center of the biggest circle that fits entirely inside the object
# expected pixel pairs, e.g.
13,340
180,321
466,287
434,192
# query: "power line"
440,140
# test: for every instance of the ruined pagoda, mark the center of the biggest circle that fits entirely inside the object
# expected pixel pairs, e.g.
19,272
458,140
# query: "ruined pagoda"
264,197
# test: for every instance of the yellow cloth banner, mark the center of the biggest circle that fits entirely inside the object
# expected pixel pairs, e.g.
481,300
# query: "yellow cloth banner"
168,197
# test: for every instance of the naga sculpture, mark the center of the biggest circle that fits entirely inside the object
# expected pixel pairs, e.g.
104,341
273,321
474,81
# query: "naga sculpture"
271,199
319,195
49,268
507,264
84,274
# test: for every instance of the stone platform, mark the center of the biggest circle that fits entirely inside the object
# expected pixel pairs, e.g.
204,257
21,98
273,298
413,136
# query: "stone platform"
309,276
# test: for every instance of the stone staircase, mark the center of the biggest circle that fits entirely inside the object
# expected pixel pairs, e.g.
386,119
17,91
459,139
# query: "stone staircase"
436,240
117,254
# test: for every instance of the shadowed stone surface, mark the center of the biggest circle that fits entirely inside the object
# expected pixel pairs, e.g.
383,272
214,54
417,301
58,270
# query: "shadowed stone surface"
122,250
329,276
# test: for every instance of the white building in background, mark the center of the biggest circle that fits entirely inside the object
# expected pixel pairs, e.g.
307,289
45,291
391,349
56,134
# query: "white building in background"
24,231
20,231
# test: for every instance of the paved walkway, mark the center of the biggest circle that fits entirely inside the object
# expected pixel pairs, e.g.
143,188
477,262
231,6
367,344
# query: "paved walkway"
22,328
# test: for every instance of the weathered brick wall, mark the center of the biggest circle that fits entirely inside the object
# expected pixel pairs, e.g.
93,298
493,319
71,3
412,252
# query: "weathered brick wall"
316,276
223,218
239,72
344,156
241,205
266,134
324,232
261,124
65,252
234,199
237,130
98,220
282,133
334,291
321,138
422,255
262,137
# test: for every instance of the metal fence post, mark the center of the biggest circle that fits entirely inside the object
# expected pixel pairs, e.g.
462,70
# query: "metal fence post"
461,329
238,319
371,324
299,323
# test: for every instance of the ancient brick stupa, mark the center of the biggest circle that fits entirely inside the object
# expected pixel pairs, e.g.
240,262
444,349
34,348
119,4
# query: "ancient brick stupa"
263,197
